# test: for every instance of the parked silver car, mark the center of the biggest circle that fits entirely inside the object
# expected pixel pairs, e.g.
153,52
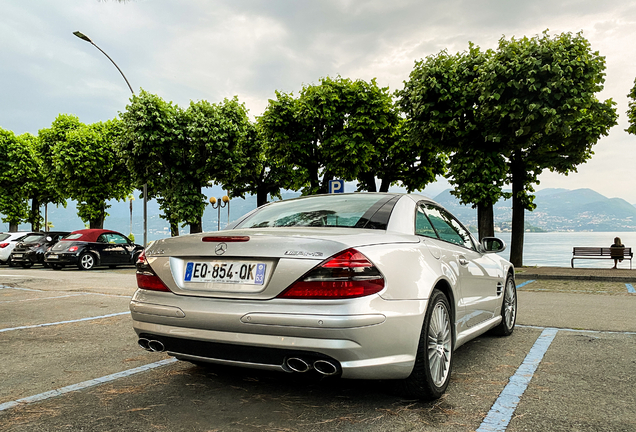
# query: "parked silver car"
364,285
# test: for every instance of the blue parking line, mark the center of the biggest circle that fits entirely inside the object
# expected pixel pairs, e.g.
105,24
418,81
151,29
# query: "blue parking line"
63,322
83,385
630,289
525,283
504,407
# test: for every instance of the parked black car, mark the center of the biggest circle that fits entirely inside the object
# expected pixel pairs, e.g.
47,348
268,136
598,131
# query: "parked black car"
30,250
88,248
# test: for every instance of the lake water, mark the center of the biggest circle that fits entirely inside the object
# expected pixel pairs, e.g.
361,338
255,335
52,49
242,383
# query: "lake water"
554,249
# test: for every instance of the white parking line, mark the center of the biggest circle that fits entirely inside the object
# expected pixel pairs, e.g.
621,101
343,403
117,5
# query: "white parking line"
83,385
42,298
20,289
504,407
63,322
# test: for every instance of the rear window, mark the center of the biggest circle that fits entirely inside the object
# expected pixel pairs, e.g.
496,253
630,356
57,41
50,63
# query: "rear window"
73,236
352,211
4,236
33,238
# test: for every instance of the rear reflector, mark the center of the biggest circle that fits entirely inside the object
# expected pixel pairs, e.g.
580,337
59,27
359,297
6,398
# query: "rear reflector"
348,274
226,239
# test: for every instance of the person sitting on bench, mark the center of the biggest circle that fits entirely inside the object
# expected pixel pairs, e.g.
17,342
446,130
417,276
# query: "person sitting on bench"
617,251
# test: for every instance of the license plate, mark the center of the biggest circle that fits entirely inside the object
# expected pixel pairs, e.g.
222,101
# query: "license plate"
17,255
225,272
52,256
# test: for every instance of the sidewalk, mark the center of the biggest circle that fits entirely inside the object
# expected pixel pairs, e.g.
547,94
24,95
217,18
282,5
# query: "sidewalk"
601,274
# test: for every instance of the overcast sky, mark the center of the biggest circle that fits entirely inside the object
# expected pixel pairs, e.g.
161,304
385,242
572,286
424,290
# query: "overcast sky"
205,49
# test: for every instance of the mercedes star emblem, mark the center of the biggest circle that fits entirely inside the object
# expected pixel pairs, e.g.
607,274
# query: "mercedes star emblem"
220,248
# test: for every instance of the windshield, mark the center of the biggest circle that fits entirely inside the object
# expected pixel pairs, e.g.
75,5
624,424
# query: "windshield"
358,210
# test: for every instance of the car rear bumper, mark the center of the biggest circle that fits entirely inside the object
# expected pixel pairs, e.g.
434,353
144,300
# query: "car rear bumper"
366,338
62,258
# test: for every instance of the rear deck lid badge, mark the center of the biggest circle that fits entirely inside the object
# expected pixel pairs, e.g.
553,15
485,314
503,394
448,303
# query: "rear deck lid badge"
303,253
220,248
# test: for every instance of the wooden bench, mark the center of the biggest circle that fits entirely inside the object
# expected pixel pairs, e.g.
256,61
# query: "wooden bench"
599,253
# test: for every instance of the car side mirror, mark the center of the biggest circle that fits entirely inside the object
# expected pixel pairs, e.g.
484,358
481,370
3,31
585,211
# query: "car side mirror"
492,245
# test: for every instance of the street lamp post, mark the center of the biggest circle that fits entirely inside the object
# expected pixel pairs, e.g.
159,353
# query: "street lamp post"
145,188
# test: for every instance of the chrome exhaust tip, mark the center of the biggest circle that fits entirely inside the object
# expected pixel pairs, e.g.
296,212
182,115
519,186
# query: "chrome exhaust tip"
144,343
297,364
325,367
156,346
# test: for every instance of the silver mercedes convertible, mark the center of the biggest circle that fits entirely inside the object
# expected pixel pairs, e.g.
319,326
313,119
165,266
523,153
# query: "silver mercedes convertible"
362,285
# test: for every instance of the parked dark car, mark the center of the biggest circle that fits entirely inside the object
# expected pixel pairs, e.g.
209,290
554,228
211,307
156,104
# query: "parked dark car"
30,250
90,248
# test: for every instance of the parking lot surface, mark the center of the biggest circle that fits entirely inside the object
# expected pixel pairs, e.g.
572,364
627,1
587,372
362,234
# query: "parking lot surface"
70,361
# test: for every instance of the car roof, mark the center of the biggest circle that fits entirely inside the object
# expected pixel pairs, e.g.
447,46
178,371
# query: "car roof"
90,235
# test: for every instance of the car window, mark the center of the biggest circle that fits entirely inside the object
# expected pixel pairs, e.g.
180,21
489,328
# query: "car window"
350,210
4,236
448,228
32,238
73,236
113,238
423,225
102,239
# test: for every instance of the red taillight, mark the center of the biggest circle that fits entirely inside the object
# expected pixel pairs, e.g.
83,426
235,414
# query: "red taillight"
348,274
151,282
3,245
73,248
146,278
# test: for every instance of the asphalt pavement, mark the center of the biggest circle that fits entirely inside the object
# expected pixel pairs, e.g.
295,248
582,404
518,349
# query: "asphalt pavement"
69,361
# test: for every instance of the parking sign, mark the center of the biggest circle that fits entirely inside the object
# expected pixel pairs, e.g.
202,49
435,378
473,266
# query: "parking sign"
336,186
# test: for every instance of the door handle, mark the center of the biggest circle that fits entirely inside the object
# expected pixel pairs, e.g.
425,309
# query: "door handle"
463,261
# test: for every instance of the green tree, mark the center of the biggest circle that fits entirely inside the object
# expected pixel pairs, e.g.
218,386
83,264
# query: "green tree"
330,130
17,168
45,191
88,170
252,172
538,95
441,101
178,152
631,112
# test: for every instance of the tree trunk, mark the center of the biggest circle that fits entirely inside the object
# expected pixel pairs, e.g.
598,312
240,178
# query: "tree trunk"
35,215
13,226
196,227
97,223
174,229
485,221
518,212
324,187
384,186
261,196
368,181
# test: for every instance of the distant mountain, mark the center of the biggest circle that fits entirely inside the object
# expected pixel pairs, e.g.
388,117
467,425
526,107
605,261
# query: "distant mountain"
557,210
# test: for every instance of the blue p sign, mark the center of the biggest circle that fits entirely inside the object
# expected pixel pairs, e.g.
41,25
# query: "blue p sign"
336,186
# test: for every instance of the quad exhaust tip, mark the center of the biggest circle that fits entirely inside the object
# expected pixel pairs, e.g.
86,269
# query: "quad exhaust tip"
151,345
297,364
323,367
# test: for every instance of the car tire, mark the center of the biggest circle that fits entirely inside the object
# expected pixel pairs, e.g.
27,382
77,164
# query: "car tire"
432,370
27,265
56,266
11,263
86,261
508,309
